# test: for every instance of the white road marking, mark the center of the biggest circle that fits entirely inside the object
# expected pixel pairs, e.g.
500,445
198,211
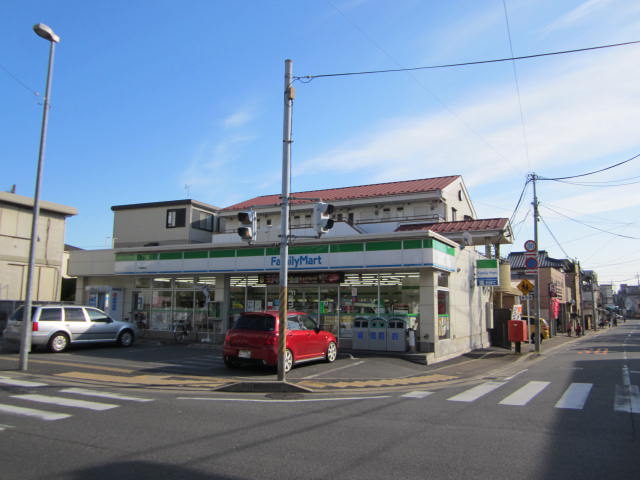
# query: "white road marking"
417,394
476,392
301,400
524,395
333,370
95,393
627,397
20,383
32,412
575,396
66,402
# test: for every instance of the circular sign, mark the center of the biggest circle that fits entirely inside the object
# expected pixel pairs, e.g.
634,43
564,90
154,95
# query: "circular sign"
531,263
530,246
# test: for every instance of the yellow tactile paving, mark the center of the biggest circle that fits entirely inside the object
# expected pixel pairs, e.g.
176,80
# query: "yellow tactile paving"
144,379
385,382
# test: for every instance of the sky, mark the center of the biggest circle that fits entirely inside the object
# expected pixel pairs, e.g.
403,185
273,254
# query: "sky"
156,100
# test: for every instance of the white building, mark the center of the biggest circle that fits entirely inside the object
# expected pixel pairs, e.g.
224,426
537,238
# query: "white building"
394,262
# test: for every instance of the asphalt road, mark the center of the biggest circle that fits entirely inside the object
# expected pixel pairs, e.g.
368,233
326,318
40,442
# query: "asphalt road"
571,413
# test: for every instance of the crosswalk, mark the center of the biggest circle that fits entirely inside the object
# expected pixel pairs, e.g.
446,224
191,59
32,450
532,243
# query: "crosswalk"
66,399
625,398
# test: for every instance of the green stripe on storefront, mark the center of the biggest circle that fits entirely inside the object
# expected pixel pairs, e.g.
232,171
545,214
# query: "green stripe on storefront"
200,254
294,250
487,263
126,257
143,257
222,253
347,247
250,252
308,249
412,244
378,246
171,256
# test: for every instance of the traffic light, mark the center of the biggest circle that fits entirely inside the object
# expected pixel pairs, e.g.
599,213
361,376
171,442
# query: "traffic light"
322,221
250,229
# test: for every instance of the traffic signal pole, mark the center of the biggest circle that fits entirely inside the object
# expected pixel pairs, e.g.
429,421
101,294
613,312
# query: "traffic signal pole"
289,95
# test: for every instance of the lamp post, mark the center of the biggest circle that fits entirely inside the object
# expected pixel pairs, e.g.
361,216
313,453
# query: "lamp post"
45,32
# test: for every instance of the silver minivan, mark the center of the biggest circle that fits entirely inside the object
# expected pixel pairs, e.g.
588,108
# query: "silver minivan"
56,326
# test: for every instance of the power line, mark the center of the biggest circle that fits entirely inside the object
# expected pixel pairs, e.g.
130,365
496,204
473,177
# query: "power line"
595,171
591,226
308,78
553,236
20,82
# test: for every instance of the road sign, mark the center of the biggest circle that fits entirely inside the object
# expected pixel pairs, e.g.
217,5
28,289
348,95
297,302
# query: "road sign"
531,263
525,286
530,246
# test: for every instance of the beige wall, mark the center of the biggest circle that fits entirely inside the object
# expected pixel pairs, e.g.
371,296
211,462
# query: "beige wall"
15,240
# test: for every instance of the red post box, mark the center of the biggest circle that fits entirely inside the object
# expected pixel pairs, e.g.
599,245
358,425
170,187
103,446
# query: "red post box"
518,331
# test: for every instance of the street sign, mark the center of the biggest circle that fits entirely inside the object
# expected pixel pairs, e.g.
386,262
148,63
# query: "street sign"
530,246
525,286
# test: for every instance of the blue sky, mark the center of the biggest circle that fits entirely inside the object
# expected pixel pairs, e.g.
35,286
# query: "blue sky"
163,100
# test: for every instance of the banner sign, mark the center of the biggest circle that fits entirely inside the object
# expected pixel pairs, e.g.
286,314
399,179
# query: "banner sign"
487,273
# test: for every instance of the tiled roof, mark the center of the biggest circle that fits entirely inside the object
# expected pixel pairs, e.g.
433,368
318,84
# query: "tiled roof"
454,227
353,193
516,260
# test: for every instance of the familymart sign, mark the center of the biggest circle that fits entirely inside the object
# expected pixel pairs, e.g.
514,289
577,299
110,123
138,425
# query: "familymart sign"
426,252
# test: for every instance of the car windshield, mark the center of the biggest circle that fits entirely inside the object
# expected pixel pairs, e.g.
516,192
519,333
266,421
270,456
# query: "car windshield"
262,323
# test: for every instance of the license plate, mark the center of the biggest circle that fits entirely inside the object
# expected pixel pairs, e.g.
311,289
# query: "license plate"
244,354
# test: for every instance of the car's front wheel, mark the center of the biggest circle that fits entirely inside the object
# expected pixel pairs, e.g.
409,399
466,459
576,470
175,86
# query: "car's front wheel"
332,352
58,342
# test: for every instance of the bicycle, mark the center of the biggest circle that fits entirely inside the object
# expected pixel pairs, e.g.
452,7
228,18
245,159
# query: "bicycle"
182,331
141,324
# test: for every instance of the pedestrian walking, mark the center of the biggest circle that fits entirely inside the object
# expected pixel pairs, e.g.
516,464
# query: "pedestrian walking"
578,330
568,329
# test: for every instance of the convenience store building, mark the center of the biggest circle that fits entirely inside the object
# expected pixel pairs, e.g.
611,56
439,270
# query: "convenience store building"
400,268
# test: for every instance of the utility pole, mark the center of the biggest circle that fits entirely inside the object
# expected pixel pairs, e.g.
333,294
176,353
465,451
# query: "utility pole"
289,95
535,238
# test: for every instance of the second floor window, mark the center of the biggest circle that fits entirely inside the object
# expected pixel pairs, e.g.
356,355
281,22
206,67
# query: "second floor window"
176,217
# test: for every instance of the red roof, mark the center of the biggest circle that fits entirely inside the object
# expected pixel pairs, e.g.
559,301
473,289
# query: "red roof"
352,193
454,227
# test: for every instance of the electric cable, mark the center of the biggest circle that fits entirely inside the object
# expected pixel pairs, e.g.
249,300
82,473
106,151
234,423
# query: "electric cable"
308,78
553,236
595,171
591,226
20,82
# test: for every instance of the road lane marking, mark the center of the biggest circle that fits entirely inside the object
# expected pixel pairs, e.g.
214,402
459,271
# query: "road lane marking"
95,393
66,402
525,394
575,396
417,394
32,412
20,383
476,392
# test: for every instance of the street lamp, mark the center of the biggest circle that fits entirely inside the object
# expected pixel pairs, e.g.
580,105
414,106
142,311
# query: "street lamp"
45,32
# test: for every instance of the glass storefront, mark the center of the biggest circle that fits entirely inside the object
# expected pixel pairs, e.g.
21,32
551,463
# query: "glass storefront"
335,299
161,302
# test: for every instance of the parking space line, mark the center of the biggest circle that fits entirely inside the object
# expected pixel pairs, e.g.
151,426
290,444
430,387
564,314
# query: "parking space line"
333,370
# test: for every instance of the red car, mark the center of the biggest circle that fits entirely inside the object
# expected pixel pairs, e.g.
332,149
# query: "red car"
254,337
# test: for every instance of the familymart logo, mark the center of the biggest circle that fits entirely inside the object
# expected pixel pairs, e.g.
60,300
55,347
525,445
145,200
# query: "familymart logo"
298,261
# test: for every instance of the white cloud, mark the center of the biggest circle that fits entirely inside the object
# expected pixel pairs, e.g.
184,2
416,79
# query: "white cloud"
238,119
583,112
578,14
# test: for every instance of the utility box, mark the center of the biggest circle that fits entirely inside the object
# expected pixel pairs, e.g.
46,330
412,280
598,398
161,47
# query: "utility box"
518,331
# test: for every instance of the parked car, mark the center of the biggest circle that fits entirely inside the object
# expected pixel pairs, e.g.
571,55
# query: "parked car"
254,338
545,332
57,326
